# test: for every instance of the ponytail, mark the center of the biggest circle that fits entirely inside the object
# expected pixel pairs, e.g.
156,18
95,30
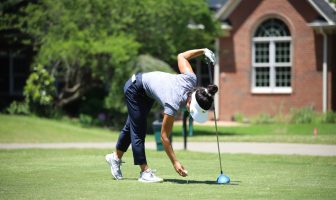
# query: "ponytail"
212,89
204,96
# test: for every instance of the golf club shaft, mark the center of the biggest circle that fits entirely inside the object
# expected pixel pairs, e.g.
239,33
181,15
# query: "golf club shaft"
219,155
210,73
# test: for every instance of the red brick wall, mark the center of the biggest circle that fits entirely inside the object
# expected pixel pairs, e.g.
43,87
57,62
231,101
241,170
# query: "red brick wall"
236,52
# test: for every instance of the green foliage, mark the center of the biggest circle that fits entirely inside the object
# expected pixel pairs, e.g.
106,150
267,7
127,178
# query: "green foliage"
147,63
282,118
40,88
88,120
40,91
18,108
162,27
80,43
239,117
85,120
87,44
263,118
303,116
329,117
93,102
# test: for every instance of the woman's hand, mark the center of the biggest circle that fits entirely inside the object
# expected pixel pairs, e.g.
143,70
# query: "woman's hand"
167,126
180,169
210,57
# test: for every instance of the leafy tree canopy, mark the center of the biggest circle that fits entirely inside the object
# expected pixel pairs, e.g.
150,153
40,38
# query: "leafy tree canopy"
85,43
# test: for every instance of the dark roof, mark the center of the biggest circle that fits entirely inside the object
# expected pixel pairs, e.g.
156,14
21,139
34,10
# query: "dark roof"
327,9
215,5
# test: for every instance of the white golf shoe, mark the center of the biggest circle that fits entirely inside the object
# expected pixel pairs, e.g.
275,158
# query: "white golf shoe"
148,176
115,166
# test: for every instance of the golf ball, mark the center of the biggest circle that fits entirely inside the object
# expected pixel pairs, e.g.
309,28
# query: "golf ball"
222,179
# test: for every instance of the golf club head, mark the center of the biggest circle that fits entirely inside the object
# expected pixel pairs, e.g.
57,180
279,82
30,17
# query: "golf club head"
222,179
210,57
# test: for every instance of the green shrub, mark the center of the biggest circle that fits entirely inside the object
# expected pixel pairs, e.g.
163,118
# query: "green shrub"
329,117
18,108
304,115
92,103
282,118
40,91
85,120
88,120
239,117
263,118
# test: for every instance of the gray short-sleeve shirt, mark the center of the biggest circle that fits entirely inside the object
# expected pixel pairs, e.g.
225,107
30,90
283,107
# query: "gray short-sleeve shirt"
170,90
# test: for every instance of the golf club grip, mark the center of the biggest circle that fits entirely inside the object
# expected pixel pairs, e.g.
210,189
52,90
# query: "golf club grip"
210,73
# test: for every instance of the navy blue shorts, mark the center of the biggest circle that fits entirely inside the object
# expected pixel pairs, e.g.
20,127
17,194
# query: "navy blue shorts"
134,131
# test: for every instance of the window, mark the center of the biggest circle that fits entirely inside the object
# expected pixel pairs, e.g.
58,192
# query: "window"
4,72
272,61
202,72
14,71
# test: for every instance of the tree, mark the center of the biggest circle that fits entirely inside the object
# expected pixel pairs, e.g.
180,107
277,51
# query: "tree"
76,43
86,43
162,27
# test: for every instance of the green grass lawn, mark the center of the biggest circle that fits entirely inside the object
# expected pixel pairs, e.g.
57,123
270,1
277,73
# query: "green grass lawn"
288,133
83,174
23,129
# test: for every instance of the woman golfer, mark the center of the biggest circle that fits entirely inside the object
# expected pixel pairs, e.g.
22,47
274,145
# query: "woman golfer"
171,91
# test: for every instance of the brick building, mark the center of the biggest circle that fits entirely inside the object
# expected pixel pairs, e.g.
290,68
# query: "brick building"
275,55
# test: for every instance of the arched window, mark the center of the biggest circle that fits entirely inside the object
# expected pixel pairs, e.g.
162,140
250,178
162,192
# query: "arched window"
272,58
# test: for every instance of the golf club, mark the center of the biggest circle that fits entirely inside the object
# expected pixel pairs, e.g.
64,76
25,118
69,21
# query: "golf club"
221,179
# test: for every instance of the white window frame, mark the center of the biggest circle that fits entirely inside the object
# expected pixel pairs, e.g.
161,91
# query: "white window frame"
272,89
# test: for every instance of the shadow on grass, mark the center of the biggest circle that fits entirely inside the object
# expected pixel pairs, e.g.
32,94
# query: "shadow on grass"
207,182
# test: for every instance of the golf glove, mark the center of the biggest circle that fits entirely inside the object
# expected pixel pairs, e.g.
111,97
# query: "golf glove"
210,57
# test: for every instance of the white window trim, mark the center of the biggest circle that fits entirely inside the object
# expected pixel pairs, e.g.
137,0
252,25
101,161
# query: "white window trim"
272,89
277,90
267,39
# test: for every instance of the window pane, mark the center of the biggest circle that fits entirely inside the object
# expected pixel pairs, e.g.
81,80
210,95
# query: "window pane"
19,83
20,69
272,28
282,52
283,76
261,53
4,63
20,65
262,76
4,72
4,84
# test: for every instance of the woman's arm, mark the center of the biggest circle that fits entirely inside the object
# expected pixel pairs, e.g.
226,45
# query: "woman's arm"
183,59
166,129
